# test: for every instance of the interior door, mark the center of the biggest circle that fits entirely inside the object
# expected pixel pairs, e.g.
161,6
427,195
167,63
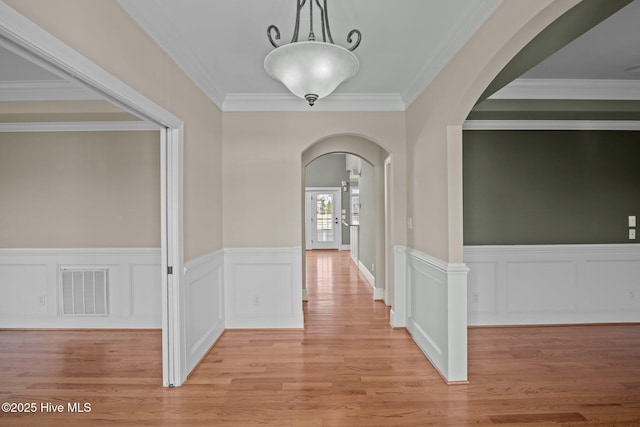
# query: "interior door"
323,226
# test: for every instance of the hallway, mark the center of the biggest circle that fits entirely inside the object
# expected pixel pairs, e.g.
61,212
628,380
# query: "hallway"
346,368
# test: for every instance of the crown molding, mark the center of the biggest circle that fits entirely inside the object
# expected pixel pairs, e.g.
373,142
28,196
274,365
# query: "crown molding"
44,90
589,89
625,125
78,126
241,102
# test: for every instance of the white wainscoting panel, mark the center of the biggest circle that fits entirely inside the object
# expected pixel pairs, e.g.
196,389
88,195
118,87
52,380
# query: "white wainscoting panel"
553,284
204,301
30,296
263,288
432,297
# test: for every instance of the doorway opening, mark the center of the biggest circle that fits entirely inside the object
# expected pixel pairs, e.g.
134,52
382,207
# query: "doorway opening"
37,46
343,209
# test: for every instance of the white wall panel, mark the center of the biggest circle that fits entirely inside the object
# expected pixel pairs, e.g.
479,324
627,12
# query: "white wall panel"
263,288
553,284
146,295
21,289
432,303
204,305
30,296
483,283
531,283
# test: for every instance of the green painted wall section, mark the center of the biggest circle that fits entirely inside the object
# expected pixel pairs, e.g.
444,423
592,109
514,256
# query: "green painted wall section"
550,187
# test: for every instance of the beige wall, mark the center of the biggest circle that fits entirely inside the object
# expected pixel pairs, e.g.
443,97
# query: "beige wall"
262,150
104,33
262,171
80,190
434,120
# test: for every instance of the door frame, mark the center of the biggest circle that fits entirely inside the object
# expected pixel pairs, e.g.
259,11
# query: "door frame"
337,208
32,42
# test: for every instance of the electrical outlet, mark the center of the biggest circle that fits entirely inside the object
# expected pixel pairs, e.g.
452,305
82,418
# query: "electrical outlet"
256,300
42,299
632,295
475,298
632,234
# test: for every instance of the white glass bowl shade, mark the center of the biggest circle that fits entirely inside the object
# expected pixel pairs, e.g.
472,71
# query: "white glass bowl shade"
311,69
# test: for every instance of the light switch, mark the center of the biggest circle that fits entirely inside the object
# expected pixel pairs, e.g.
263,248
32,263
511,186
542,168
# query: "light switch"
632,220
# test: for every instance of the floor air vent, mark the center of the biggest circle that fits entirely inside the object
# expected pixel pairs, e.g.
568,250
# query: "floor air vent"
84,292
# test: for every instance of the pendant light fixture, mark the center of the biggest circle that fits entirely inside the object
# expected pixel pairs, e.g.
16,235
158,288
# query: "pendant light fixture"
312,69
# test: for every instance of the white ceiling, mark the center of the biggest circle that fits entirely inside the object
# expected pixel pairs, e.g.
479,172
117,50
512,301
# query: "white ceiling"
222,44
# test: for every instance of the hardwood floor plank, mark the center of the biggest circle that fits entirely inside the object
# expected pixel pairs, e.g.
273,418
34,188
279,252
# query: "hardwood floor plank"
346,368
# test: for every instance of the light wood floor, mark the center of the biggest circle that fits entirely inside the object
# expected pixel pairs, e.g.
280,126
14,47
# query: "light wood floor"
347,368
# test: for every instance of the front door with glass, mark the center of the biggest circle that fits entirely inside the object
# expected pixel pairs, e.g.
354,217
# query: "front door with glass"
323,228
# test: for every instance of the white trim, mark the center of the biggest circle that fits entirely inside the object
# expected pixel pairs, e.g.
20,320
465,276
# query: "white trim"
553,284
436,311
248,102
588,89
71,252
44,90
624,125
367,274
345,247
79,126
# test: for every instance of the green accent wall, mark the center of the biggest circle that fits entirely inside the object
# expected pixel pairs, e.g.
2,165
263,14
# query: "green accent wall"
550,187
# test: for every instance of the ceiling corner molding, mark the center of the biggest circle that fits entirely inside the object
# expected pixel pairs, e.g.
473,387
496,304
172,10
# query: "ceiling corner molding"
470,19
173,41
53,54
623,125
78,126
44,90
240,102
570,89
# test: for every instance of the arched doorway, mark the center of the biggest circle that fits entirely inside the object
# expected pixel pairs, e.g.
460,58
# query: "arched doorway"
377,157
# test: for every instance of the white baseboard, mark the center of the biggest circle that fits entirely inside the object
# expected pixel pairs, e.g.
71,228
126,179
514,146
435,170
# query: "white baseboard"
553,284
30,291
367,274
378,293
345,247
263,288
